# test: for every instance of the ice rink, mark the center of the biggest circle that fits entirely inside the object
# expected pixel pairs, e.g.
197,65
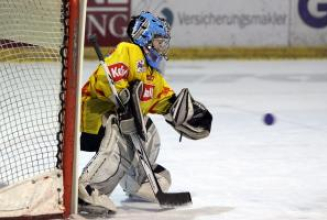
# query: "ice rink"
245,170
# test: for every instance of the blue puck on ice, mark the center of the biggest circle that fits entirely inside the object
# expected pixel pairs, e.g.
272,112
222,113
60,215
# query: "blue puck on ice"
269,119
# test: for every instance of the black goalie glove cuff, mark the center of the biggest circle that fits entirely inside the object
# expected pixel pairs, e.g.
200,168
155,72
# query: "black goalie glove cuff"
189,117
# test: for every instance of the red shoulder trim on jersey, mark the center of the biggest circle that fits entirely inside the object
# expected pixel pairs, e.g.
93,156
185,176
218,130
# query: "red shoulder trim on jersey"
85,90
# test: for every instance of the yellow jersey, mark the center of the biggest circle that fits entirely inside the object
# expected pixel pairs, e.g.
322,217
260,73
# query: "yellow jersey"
126,64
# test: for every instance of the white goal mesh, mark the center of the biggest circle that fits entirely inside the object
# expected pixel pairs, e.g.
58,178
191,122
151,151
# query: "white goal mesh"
31,38
38,73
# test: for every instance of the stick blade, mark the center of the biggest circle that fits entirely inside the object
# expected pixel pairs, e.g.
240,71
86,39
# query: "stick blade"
171,200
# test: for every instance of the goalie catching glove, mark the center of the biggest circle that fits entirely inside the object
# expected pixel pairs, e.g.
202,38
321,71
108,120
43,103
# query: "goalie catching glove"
189,117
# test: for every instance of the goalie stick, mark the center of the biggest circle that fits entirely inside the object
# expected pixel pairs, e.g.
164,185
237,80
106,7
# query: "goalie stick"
163,198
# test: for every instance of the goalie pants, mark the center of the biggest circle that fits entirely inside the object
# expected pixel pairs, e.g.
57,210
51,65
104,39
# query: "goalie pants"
116,161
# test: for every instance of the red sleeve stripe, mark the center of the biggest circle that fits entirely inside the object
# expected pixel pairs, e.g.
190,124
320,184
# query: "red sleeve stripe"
85,90
100,92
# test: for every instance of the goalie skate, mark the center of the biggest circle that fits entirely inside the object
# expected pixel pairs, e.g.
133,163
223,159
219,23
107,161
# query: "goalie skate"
92,211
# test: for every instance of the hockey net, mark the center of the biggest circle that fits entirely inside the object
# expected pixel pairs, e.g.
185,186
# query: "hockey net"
38,81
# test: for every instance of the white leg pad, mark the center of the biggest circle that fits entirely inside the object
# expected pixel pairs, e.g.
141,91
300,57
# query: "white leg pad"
108,166
143,190
135,181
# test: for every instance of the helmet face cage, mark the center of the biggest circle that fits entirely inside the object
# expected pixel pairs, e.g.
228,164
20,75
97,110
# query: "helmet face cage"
151,32
161,45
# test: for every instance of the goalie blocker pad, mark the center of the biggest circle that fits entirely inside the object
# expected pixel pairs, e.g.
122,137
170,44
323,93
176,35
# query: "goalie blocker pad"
189,117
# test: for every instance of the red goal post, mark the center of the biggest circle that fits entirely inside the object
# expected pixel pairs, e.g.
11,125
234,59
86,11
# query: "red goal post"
41,53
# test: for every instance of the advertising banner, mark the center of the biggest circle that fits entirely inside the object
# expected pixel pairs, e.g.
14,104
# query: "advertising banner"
223,23
217,23
309,23
108,19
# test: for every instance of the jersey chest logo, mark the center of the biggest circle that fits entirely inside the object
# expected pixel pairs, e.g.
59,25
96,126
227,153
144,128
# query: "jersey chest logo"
147,93
118,71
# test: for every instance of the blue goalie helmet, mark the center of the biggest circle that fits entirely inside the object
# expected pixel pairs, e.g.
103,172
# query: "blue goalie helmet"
153,35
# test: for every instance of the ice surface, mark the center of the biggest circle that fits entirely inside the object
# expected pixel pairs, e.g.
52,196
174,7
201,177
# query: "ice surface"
246,170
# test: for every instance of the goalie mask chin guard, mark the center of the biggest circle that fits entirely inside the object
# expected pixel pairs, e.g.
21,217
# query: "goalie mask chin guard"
153,35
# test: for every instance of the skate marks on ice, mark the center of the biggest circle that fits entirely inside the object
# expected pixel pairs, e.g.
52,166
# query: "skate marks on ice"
135,210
